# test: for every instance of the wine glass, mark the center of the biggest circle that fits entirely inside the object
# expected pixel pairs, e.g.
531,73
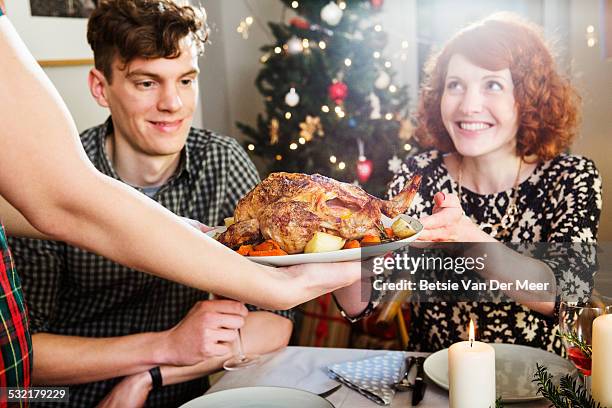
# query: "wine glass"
576,321
241,360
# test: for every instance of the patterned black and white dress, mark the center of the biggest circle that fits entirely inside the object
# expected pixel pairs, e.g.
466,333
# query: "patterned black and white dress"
559,202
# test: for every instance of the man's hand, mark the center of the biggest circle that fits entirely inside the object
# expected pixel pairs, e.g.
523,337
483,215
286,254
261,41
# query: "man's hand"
132,391
208,330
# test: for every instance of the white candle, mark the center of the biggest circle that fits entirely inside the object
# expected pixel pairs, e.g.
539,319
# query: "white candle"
601,374
471,374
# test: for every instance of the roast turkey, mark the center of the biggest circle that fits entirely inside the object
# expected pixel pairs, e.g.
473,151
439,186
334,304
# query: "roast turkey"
290,207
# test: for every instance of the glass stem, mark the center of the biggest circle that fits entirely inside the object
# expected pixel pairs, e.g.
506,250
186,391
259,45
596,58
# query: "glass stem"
240,346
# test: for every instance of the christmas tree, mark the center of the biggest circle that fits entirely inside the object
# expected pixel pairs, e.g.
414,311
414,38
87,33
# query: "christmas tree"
332,106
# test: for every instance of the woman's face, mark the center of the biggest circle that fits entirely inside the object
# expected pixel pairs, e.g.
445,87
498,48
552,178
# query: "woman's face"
478,108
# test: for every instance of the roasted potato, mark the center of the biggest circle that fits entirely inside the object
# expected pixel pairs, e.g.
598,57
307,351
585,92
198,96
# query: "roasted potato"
402,229
323,242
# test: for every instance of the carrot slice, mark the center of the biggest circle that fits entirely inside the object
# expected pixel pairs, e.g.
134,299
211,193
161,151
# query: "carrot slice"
267,246
353,243
370,240
389,232
245,249
271,252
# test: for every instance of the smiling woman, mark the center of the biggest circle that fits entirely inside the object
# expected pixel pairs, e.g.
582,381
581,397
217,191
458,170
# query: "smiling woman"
499,118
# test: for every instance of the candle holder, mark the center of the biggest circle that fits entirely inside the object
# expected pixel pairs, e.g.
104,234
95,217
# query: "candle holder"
576,330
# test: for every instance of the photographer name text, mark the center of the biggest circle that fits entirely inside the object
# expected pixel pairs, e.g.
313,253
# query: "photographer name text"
465,285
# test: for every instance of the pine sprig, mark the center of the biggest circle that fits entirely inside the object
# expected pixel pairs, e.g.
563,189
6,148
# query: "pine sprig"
575,394
574,340
547,388
499,403
569,394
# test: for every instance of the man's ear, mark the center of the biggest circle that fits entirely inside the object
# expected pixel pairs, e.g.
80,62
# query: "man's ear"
97,86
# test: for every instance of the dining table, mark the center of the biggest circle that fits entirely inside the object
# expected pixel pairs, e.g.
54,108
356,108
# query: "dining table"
305,368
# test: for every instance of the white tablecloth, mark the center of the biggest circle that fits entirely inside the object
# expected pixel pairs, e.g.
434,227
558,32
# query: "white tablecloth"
306,368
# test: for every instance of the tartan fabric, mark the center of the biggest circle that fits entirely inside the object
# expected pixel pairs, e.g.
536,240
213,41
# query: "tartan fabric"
15,343
76,293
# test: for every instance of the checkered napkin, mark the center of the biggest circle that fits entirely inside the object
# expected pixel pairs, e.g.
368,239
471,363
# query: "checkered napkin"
371,377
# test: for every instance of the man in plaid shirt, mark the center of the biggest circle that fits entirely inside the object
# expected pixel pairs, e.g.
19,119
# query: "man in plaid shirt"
105,329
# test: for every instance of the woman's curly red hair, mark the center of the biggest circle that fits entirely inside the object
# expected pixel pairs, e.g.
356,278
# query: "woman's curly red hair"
548,104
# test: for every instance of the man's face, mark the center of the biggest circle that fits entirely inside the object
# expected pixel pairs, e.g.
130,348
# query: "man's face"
152,102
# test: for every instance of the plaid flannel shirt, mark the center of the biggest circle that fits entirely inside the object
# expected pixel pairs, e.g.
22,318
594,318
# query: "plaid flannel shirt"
76,293
15,342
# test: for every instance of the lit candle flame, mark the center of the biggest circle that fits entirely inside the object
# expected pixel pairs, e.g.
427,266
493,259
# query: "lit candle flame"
471,330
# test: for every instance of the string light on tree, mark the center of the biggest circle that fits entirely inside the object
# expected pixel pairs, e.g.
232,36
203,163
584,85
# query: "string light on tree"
331,14
392,88
287,115
279,157
348,62
243,27
376,54
407,147
378,28
295,4
277,50
322,45
293,146
387,64
590,36
251,147
342,5
325,108
341,165
332,159
389,116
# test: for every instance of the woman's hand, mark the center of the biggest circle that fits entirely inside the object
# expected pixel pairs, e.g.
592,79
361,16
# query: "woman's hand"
448,223
132,391
195,223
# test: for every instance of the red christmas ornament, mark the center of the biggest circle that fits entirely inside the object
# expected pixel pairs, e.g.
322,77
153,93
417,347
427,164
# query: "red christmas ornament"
376,3
298,22
364,169
338,92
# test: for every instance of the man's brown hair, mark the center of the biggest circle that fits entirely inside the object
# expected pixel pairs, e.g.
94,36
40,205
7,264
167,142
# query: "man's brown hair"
130,29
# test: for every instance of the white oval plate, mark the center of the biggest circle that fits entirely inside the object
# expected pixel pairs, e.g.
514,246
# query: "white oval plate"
259,397
342,255
515,366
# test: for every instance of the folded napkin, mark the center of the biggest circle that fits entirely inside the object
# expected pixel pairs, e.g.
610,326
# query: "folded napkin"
371,377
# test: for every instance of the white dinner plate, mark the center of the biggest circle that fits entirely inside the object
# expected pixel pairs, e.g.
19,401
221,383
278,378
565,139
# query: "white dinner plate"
514,369
342,255
259,397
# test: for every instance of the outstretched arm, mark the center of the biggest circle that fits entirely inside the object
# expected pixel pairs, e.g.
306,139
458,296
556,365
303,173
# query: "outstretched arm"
50,180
